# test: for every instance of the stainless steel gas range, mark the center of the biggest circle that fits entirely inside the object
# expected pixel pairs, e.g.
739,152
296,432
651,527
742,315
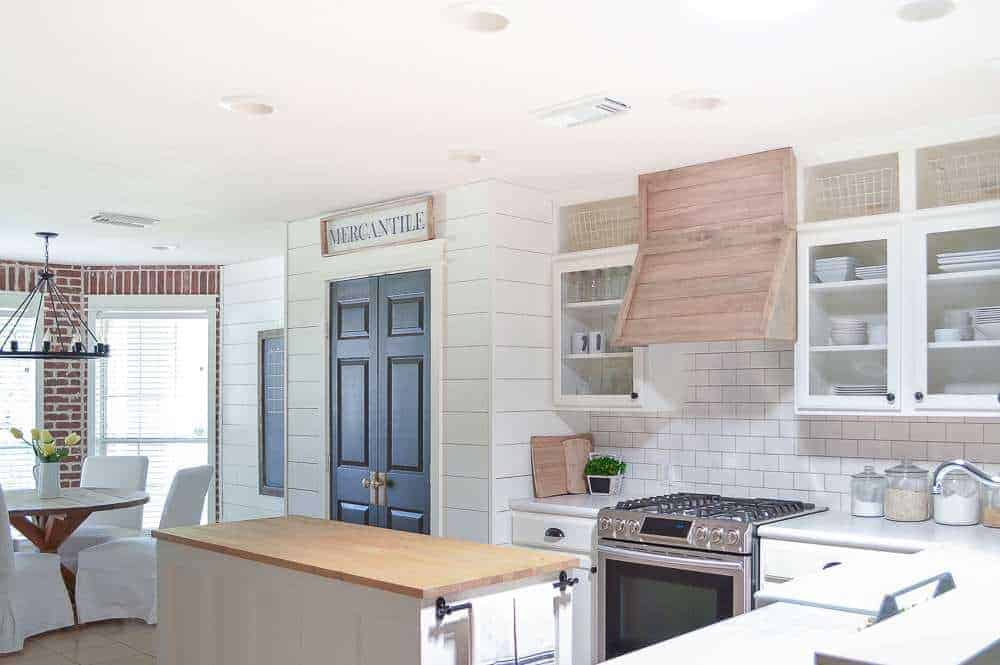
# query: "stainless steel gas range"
675,563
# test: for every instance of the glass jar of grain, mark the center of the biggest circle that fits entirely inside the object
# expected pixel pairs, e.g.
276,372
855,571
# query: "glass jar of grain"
991,505
908,494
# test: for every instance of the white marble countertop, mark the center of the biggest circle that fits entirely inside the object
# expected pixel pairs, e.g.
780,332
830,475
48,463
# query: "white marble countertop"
573,505
876,533
780,634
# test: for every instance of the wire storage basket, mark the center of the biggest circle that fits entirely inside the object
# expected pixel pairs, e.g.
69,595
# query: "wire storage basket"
965,178
857,194
602,227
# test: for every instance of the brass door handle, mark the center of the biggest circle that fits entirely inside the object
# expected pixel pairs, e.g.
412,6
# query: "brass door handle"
368,483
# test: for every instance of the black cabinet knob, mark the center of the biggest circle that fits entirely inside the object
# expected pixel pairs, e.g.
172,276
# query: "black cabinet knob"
890,397
553,532
919,396
635,395
831,564
998,397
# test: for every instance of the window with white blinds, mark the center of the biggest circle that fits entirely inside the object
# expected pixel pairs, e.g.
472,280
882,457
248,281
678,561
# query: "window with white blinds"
18,405
151,394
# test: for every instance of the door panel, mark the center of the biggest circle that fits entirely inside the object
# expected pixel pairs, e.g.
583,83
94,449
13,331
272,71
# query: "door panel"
353,411
380,404
404,382
405,414
353,513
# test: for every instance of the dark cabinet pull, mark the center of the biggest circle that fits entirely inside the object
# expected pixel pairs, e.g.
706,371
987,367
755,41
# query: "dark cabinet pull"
998,397
891,397
635,395
919,396
831,564
443,609
553,532
565,581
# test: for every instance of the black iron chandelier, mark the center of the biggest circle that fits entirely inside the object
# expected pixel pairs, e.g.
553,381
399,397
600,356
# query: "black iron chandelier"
66,319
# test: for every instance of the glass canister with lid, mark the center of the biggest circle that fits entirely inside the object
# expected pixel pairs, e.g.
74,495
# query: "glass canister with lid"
868,493
908,493
958,501
991,506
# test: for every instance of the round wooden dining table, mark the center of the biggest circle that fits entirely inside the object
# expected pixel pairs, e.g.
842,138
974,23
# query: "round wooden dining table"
47,523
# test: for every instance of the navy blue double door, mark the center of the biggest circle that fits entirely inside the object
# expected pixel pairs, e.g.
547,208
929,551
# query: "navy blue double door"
380,401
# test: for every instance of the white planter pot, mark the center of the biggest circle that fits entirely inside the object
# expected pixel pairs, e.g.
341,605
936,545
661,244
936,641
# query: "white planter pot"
47,480
605,484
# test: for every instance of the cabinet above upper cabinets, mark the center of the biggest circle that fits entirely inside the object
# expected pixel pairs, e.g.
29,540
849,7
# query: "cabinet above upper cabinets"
899,312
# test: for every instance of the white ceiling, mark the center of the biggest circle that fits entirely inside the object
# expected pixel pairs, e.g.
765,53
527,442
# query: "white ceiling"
112,104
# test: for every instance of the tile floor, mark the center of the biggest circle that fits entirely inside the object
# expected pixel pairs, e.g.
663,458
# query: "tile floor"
106,643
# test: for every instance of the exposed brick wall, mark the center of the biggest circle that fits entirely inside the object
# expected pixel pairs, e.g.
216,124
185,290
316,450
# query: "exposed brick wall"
64,382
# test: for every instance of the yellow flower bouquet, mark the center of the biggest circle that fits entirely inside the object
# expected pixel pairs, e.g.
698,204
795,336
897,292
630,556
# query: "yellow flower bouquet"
44,444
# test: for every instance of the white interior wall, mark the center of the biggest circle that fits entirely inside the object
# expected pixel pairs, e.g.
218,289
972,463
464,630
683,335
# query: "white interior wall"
251,301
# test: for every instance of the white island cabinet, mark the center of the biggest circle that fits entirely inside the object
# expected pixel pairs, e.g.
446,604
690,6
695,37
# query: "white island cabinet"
299,591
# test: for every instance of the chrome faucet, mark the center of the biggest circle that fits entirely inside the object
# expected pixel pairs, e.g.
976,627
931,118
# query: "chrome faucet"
968,467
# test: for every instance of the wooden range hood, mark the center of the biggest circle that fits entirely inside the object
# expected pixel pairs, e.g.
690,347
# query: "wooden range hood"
716,254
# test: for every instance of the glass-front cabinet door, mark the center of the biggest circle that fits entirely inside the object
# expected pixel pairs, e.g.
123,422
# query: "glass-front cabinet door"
848,349
589,369
956,323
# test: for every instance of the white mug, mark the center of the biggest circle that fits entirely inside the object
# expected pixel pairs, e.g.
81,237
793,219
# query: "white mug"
580,343
596,341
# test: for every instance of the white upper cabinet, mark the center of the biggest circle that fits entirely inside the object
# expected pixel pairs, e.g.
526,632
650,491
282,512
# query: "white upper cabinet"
921,335
589,288
849,320
955,323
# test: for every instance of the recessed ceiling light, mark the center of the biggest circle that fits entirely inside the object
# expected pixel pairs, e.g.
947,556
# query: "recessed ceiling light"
697,100
477,16
579,111
759,10
119,219
167,247
249,104
918,11
467,156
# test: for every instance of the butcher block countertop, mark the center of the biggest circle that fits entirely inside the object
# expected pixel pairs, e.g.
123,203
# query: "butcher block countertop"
405,563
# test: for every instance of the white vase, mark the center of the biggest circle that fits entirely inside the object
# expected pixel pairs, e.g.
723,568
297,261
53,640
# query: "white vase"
47,480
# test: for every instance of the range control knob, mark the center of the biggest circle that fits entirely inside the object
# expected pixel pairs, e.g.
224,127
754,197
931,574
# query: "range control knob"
732,537
716,536
619,526
700,534
605,523
633,527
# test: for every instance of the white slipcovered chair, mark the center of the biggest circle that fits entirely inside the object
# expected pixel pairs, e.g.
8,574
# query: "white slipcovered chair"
124,472
33,597
117,579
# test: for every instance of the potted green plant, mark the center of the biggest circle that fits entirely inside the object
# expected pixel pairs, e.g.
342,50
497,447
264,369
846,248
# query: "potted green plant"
604,474
48,456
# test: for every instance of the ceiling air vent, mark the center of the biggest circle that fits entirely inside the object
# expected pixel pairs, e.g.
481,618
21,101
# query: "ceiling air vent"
118,219
581,111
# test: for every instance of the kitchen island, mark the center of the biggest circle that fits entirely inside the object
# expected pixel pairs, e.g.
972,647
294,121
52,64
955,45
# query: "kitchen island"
297,590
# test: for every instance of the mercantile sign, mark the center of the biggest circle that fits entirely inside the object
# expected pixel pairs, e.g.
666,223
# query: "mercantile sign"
375,226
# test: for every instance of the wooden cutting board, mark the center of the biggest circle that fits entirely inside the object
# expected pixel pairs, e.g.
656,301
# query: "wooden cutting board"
577,453
548,464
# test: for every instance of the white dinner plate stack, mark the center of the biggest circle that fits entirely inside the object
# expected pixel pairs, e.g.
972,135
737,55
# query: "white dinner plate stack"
871,272
848,332
983,259
836,269
986,322
952,334
854,390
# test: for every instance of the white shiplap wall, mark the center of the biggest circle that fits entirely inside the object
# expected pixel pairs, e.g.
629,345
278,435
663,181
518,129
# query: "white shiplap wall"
251,301
523,240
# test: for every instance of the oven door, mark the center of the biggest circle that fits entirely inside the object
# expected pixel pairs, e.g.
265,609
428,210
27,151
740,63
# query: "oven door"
649,594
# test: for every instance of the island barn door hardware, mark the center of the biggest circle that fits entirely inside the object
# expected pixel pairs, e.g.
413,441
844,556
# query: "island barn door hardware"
443,609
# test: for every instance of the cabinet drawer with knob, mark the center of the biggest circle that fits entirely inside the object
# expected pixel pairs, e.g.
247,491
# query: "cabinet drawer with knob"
575,534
